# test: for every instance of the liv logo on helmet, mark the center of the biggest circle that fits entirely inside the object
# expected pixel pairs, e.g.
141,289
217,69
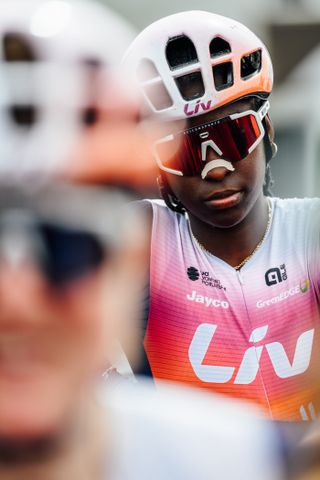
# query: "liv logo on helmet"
250,363
198,106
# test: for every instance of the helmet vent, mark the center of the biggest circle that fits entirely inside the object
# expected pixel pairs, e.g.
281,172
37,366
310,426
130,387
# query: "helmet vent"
223,75
153,87
191,86
250,64
89,116
23,116
158,96
16,48
146,70
219,47
180,51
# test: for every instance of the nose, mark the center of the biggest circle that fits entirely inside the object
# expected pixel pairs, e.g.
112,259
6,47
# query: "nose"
21,295
217,174
215,168
22,291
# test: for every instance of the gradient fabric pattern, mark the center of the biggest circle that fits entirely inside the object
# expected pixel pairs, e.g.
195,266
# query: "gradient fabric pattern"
251,334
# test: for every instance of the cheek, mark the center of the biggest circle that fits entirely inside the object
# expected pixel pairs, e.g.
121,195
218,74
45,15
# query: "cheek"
99,311
184,188
258,166
83,324
251,170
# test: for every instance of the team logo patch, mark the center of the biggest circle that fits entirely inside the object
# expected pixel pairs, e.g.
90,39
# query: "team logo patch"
205,277
276,275
193,273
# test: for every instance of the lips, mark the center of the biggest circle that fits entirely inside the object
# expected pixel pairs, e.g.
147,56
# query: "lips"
221,194
224,198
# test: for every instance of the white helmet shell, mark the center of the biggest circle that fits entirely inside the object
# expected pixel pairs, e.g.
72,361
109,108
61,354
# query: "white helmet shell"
52,53
222,58
67,30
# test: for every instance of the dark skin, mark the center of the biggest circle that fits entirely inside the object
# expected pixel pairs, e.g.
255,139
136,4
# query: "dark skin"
230,233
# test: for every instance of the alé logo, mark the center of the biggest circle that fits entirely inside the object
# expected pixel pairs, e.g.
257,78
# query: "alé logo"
250,363
198,106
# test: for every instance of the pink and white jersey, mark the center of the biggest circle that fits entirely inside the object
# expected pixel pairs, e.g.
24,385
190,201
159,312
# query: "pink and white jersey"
252,333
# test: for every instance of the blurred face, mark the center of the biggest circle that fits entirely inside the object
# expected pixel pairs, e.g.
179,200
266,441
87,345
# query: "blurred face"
55,340
226,195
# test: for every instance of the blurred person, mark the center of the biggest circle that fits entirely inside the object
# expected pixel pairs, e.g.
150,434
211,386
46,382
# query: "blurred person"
67,281
305,462
64,109
233,295
61,95
72,265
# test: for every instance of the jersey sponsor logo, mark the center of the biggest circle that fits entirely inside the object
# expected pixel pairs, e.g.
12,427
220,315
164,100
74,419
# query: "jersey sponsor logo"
206,279
302,288
250,363
198,106
276,275
207,301
193,273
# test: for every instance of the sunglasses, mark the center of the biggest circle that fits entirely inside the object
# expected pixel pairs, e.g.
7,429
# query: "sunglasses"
232,138
67,233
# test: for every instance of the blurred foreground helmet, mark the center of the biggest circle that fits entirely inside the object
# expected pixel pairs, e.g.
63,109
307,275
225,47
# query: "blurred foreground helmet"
193,62
55,77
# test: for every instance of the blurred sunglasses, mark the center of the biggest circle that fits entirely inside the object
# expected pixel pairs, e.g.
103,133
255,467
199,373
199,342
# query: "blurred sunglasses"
232,138
67,232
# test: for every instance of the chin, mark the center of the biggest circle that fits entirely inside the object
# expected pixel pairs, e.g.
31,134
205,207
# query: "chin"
30,410
225,219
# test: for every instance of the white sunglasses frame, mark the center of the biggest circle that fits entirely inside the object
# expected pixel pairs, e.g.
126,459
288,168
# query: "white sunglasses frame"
259,116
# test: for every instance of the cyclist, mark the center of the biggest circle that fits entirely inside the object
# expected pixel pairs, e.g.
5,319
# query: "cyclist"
234,273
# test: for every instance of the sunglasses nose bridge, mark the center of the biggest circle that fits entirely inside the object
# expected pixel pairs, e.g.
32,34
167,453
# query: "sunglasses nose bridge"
210,152
209,149
216,174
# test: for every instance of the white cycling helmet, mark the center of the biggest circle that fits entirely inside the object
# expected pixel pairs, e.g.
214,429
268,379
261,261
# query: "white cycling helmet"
54,58
192,62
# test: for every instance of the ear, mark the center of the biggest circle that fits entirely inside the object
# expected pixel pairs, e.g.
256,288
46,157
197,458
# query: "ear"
160,182
270,129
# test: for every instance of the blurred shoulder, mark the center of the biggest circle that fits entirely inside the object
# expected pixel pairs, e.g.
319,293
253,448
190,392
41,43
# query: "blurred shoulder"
193,431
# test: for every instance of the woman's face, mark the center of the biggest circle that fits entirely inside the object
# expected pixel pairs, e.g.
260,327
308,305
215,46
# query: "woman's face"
224,197
53,342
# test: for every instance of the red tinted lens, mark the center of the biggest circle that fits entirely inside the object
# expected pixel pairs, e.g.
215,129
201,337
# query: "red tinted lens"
182,153
234,137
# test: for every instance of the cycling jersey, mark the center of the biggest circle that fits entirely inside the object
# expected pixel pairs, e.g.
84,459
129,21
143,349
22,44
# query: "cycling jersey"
252,333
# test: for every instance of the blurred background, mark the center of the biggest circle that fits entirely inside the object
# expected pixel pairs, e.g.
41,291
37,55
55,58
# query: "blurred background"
291,31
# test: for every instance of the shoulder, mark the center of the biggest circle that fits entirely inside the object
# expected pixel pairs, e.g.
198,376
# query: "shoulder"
194,432
149,206
303,205
297,210
151,210
156,210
